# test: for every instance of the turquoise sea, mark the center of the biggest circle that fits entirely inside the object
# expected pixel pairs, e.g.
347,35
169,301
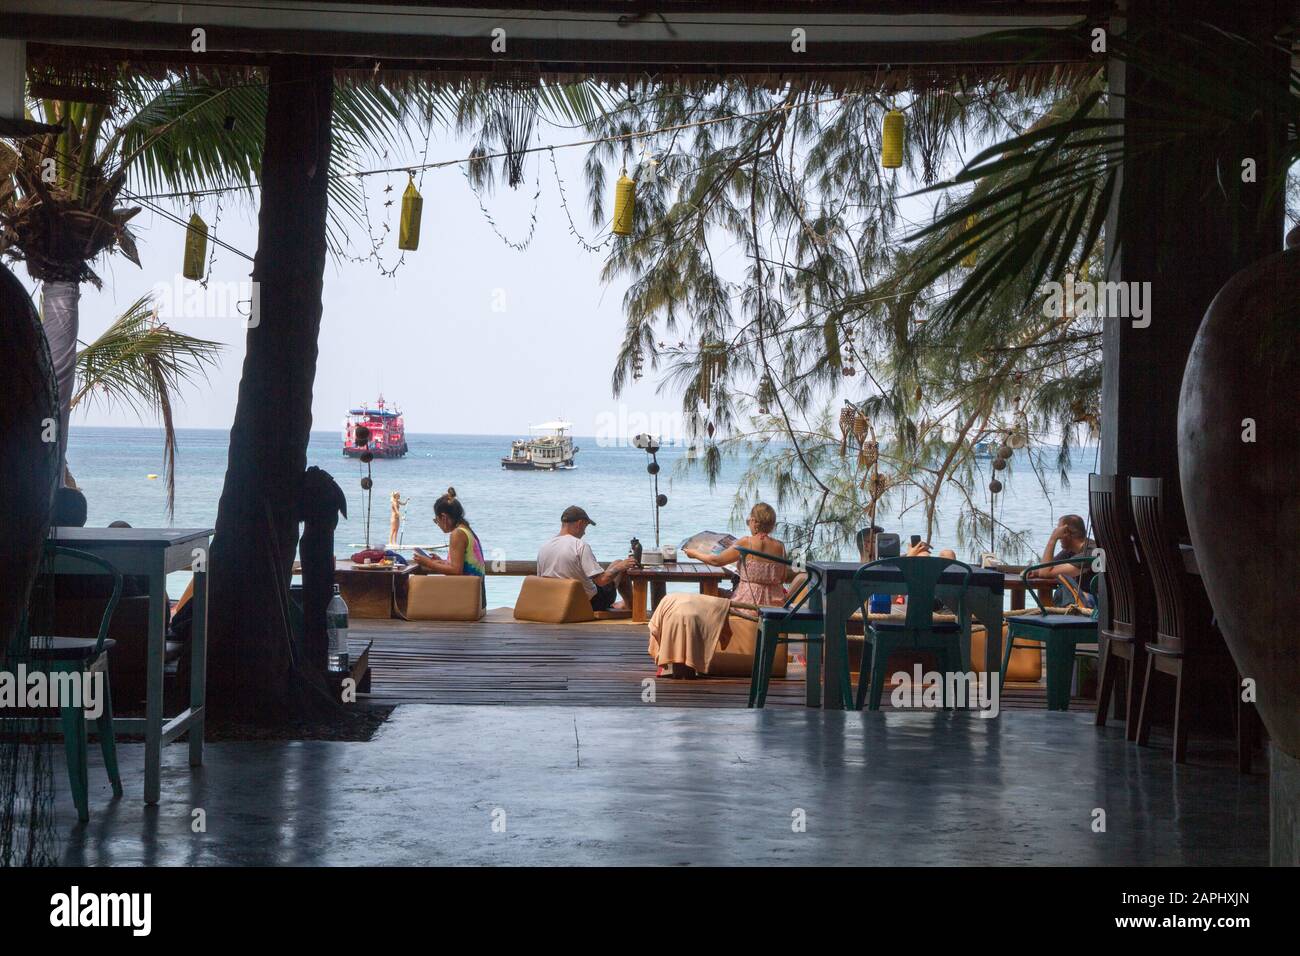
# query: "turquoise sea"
513,512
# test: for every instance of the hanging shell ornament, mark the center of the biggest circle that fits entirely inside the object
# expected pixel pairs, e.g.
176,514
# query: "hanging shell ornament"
891,140
1005,451
999,464
995,486
624,205
408,234
196,247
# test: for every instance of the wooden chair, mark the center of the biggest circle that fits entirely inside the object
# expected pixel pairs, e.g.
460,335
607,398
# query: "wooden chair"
78,655
1060,634
1129,600
1183,646
918,631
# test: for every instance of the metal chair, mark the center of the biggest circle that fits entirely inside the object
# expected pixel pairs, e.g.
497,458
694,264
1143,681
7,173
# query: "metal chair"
1127,626
790,623
78,655
918,631
1058,634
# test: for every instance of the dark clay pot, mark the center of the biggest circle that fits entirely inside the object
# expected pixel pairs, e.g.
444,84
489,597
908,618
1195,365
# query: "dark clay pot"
29,465
1243,497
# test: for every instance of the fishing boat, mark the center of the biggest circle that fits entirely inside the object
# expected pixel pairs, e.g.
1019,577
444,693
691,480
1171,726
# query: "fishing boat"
387,431
551,450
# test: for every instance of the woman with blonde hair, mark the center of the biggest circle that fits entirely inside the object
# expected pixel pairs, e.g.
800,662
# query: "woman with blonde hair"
761,582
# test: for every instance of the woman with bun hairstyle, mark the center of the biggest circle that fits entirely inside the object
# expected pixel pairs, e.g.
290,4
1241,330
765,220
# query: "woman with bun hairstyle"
464,551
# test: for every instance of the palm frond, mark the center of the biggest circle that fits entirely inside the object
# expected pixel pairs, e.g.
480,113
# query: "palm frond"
142,364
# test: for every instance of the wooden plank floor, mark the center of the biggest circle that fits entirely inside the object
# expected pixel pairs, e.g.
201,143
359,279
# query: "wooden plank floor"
602,663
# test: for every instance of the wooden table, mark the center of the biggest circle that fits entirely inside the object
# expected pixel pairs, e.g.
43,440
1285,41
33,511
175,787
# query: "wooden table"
376,593
1016,586
837,600
655,579
154,553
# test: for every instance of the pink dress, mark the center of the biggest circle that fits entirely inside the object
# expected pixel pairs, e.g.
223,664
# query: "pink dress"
761,582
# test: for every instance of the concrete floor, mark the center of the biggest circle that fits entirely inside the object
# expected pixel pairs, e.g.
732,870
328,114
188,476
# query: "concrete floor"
657,785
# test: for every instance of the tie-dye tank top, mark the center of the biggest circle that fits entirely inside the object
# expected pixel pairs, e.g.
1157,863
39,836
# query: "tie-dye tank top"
474,563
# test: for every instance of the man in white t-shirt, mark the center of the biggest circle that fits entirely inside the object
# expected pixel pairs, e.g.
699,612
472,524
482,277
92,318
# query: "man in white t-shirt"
568,556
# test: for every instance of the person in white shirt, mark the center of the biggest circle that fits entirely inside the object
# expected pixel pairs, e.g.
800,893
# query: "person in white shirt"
568,556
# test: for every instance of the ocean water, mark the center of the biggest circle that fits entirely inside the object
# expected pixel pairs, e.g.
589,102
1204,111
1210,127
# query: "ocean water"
513,512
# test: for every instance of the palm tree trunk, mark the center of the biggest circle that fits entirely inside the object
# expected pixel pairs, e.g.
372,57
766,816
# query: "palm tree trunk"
60,311
252,675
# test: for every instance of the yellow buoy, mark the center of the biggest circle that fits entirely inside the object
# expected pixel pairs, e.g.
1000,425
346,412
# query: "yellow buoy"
408,236
891,140
196,248
968,261
624,205
151,477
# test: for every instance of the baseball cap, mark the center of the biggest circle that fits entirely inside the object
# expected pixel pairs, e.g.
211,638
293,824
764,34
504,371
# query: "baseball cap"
574,513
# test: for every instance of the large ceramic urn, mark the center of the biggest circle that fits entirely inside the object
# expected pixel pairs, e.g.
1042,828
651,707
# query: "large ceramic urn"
29,457
1239,459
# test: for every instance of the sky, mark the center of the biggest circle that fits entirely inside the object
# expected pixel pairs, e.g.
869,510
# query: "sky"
470,336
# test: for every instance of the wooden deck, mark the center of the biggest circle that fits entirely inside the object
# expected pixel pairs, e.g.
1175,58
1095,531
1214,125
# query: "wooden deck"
602,663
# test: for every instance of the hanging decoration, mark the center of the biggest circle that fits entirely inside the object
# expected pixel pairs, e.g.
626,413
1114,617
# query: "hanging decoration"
624,204
891,140
408,234
196,247
638,365
847,416
766,394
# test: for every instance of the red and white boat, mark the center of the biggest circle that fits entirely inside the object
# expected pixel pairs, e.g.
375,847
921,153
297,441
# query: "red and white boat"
387,431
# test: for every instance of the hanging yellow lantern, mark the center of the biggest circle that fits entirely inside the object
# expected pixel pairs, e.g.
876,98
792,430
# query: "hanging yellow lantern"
196,248
891,145
408,235
968,261
624,205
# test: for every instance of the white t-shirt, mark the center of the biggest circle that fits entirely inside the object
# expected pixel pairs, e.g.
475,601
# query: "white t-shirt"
565,556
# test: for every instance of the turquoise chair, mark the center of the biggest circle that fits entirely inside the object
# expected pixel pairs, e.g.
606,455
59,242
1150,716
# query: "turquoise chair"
77,655
791,623
1059,634
918,631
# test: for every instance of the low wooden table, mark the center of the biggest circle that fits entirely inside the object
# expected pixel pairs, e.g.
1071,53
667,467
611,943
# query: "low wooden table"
376,593
655,579
1016,587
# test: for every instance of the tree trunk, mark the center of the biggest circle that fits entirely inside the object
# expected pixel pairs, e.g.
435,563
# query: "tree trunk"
60,311
251,673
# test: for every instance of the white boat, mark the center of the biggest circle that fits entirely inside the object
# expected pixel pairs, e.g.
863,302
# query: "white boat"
548,447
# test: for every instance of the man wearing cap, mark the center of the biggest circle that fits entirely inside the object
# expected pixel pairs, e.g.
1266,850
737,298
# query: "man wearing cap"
568,556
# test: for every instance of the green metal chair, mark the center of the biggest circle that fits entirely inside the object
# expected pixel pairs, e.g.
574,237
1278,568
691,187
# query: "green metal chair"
1059,634
791,623
77,655
918,631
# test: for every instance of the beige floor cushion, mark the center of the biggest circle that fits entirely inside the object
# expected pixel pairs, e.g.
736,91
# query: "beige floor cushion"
1026,662
737,659
553,601
440,597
